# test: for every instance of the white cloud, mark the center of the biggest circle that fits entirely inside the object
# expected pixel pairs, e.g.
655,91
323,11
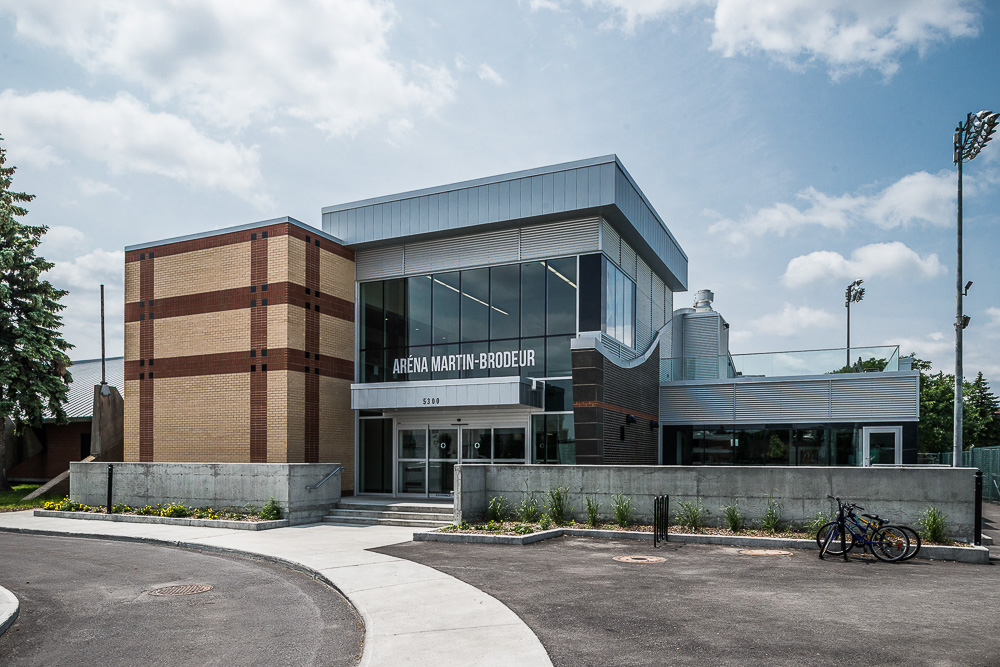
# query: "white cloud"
487,73
89,271
60,241
92,188
324,62
846,35
878,259
918,198
791,321
935,347
128,137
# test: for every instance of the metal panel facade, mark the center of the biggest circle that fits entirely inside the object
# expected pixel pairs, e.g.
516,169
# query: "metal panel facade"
827,399
457,393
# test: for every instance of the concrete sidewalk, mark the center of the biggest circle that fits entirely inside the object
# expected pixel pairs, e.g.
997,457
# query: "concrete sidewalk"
8,609
413,614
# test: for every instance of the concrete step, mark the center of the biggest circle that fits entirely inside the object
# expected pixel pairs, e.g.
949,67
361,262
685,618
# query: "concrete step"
367,521
391,514
424,508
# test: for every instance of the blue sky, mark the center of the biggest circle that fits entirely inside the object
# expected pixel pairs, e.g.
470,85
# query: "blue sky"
791,146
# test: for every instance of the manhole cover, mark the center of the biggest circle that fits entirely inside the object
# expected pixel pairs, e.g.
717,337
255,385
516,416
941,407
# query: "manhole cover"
764,552
189,589
639,559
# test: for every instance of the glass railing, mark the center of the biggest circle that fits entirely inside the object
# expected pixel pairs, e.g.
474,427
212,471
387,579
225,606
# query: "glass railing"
877,359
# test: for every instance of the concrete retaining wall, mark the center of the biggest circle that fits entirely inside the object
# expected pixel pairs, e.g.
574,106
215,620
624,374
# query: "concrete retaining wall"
215,485
899,494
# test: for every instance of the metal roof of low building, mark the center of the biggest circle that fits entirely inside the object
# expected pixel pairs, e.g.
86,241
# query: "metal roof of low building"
86,374
235,228
595,186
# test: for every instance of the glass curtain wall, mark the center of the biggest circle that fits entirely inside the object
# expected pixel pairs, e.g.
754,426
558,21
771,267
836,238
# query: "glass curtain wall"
508,320
768,445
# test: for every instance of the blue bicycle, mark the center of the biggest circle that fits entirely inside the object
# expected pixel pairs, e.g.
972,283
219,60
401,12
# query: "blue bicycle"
887,543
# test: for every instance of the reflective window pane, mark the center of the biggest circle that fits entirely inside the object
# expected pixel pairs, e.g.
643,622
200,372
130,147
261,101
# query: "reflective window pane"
533,299
394,298
620,281
554,438
372,319
418,310
558,395
629,319
558,360
373,365
441,477
477,444
560,290
475,305
609,297
501,369
446,306
445,363
443,443
504,301
411,476
412,443
508,443
476,370
536,349
375,454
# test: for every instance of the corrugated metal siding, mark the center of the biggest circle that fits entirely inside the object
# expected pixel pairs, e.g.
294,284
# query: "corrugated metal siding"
835,399
628,260
560,238
660,313
876,396
87,374
373,263
460,252
611,242
701,338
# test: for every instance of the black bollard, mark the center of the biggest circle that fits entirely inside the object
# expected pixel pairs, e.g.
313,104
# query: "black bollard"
111,476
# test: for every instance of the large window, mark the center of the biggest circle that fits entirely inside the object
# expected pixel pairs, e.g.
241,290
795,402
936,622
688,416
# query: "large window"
515,319
619,304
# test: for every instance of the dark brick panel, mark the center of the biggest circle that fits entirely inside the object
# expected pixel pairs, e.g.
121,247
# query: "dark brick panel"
279,359
258,343
146,351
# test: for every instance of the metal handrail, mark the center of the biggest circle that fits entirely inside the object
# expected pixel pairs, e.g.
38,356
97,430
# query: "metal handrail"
323,481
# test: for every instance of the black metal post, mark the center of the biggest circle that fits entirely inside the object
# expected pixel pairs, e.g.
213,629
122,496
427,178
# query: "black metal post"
843,533
661,519
111,476
979,509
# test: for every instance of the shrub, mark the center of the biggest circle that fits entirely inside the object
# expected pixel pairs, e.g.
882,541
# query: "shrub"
735,520
523,529
771,521
498,509
527,510
147,510
560,513
545,522
176,510
493,526
932,520
692,515
621,505
271,511
120,508
67,504
593,509
817,522
207,513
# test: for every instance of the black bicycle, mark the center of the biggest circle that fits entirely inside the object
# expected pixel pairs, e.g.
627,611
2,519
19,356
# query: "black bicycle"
887,543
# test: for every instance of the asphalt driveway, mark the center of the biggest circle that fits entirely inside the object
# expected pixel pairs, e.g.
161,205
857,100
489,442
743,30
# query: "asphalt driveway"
88,602
709,605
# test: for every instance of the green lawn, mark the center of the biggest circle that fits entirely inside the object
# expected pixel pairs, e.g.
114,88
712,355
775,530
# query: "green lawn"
10,502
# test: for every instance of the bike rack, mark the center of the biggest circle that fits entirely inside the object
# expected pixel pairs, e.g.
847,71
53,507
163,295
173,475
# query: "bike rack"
661,519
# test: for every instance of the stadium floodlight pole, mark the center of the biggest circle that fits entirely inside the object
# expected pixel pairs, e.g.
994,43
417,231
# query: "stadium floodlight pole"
969,139
854,293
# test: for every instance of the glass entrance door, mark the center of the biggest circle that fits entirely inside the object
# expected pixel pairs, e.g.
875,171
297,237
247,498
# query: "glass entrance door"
882,445
443,456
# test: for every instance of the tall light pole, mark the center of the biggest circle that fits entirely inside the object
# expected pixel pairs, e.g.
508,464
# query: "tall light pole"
854,293
969,139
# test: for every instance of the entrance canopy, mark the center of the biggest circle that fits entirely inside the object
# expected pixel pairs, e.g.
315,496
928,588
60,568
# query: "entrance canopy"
446,393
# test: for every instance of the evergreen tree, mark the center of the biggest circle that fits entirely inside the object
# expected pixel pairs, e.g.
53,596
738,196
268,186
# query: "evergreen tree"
33,359
981,407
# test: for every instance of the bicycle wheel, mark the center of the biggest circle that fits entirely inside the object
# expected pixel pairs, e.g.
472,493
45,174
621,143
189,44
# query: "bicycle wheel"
832,531
890,544
914,541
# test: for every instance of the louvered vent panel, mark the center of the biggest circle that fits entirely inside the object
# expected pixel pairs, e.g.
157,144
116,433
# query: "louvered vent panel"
643,321
876,396
628,260
457,253
660,313
644,278
611,244
782,401
697,404
374,263
701,337
560,238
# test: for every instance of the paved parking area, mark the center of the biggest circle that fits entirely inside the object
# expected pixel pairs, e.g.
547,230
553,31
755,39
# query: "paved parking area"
87,602
708,605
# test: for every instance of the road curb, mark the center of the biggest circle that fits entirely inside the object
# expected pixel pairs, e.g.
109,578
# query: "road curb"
165,520
971,554
9,609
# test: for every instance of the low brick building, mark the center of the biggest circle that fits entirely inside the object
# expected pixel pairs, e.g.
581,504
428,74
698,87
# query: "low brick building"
239,347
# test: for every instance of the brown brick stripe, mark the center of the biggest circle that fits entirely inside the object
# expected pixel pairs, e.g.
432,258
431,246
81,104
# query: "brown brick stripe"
280,359
312,346
146,352
242,236
239,297
614,408
258,342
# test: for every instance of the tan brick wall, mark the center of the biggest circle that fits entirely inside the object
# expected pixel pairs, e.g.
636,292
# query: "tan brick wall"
296,417
199,271
336,275
277,326
131,341
336,337
205,333
296,261
131,282
131,397
277,417
277,259
203,418
336,427
295,335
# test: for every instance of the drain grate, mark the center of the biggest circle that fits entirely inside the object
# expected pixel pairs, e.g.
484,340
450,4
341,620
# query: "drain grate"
639,559
188,589
765,552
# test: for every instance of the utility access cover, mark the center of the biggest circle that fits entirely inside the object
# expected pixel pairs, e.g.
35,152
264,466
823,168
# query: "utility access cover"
639,559
188,589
